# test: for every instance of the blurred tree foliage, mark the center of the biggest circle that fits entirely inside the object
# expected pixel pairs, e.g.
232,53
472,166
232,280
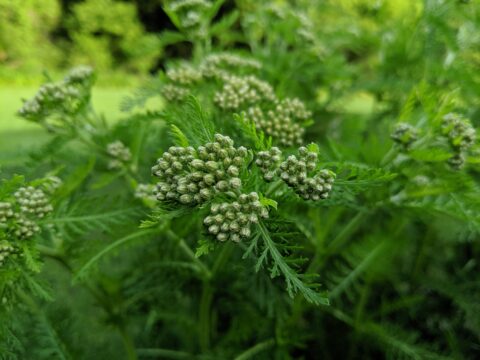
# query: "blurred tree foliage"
109,34
25,29
38,35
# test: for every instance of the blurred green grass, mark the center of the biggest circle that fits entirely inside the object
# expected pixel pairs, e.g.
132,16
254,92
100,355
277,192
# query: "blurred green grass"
18,136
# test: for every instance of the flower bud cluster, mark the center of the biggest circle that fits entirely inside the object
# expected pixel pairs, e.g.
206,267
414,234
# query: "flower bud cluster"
64,97
50,98
33,201
20,213
461,136
182,4
6,212
119,153
189,11
145,192
24,228
404,135
232,221
294,108
184,75
174,92
5,251
277,124
81,75
268,162
240,91
459,131
295,173
192,176
220,65
51,184
457,161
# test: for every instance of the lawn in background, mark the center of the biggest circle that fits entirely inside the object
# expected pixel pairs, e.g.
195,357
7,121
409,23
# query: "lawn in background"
18,137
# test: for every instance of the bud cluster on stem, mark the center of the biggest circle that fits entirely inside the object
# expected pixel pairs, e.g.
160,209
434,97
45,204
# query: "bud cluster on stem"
232,221
192,176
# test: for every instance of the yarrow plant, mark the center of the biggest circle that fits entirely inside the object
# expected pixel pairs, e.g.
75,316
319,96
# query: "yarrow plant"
57,103
305,188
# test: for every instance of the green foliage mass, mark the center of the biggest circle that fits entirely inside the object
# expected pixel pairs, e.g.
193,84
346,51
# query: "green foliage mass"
25,28
38,35
306,185
108,34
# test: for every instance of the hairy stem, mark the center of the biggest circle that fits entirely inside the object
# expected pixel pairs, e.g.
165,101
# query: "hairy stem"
205,316
128,344
389,156
252,352
190,254
164,354
205,312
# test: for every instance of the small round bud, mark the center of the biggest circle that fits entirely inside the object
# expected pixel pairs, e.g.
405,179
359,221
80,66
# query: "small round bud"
209,179
185,198
232,171
222,185
213,229
222,237
245,232
235,183
197,164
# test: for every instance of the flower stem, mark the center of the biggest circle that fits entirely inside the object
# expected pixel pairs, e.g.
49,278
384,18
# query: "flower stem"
190,254
128,344
254,350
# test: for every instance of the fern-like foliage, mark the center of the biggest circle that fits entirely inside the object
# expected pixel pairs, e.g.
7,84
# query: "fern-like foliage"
270,256
192,121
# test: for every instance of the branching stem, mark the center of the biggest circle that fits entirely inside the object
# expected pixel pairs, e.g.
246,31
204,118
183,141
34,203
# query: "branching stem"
252,352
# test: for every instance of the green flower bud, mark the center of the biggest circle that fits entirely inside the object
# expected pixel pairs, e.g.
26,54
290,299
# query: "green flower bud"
209,220
405,135
186,199
192,187
232,171
245,232
242,151
235,183
237,161
230,215
213,229
197,175
209,179
197,164
222,237
182,189
215,208
222,185
235,237
206,193
234,226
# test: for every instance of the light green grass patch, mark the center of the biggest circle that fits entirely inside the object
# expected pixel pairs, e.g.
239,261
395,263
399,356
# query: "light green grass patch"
18,136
